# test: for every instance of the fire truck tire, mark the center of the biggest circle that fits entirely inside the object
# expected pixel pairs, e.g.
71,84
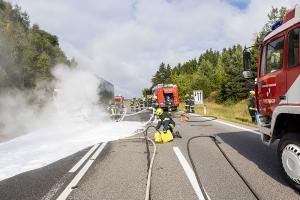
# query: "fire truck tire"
289,158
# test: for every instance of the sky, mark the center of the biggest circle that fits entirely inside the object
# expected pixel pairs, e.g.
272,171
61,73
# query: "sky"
124,41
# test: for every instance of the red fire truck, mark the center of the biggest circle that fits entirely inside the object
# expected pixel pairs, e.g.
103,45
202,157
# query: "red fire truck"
167,96
119,101
277,89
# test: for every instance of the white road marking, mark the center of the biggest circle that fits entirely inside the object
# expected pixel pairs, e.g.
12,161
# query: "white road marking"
234,126
96,154
80,174
189,173
83,159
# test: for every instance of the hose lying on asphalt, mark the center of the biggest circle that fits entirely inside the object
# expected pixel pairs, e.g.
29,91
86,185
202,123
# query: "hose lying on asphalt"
211,118
150,166
136,113
150,162
225,156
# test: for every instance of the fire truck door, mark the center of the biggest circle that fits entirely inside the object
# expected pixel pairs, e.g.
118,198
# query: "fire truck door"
271,85
293,67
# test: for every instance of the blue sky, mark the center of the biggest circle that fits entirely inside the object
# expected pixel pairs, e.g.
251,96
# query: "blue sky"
124,41
241,4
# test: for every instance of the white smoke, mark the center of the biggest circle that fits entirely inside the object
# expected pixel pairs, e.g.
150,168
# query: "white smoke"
51,127
71,98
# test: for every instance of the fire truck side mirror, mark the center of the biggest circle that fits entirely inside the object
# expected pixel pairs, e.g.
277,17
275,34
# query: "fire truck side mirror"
246,62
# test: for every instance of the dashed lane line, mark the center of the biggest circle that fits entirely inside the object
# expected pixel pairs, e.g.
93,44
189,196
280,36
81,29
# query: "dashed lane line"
80,174
189,173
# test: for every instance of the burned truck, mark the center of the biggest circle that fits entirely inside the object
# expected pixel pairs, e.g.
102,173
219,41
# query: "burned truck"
106,92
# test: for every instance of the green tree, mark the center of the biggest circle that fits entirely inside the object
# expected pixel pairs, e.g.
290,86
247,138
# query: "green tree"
163,75
233,87
219,75
43,66
27,53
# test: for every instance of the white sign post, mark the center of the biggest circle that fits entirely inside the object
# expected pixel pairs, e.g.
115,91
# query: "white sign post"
198,96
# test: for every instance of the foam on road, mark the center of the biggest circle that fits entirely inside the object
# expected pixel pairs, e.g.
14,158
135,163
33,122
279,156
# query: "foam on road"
45,146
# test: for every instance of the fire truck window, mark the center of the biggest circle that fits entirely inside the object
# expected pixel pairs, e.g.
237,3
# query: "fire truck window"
263,62
275,55
293,51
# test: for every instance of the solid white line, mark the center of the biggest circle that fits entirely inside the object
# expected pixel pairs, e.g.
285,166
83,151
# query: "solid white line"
80,174
235,126
83,159
189,173
95,155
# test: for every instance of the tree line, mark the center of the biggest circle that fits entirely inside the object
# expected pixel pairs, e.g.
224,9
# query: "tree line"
27,53
217,73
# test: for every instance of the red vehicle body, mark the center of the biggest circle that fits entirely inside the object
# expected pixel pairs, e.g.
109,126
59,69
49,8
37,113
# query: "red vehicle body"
166,94
277,91
119,100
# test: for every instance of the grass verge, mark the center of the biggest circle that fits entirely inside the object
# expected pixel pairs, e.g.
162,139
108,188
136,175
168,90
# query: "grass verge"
236,113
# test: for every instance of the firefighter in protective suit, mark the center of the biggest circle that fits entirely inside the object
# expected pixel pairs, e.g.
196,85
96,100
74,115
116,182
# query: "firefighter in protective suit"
192,104
252,105
155,102
131,103
187,103
165,120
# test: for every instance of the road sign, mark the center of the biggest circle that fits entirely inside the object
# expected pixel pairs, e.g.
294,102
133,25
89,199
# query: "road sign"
198,96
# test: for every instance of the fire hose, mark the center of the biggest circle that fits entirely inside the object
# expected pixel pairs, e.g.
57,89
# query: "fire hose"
214,139
147,139
136,113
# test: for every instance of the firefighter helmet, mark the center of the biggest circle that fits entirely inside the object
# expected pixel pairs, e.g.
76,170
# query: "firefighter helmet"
159,111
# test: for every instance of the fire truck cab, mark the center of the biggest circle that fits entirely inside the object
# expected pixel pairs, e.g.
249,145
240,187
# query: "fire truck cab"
119,101
277,90
167,96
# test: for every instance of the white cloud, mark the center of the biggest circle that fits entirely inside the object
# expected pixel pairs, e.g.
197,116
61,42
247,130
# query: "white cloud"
124,41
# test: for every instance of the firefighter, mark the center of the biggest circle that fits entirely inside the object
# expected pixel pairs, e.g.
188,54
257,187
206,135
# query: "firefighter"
149,101
187,103
165,120
192,104
155,102
169,104
145,102
141,103
252,105
136,104
114,111
131,104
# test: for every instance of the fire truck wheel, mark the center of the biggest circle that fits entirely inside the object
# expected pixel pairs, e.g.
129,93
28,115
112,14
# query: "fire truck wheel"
289,157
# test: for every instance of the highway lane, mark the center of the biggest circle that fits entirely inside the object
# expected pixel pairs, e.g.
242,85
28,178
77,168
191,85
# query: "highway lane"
47,182
35,184
120,171
255,161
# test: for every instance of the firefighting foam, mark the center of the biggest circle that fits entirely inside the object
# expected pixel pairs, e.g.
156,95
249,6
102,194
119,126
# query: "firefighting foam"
70,120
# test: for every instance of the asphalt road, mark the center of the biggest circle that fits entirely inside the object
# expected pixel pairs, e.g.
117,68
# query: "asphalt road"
120,171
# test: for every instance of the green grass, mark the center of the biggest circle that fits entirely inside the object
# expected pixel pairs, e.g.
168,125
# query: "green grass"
236,113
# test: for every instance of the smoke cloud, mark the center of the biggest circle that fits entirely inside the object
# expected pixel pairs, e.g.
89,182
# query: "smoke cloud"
41,127
71,98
